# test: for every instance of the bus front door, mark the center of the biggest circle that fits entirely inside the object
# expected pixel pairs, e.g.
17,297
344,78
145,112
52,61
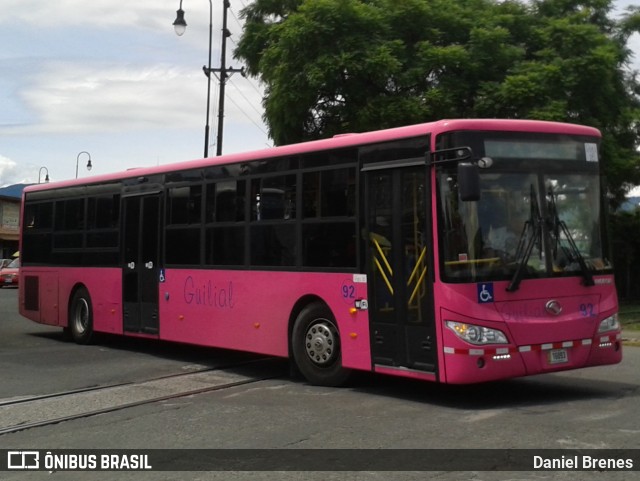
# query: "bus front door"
141,241
400,287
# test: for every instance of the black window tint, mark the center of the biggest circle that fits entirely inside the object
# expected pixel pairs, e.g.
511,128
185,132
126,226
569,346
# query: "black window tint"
183,246
410,148
225,246
311,194
67,241
274,198
103,212
39,216
265,166
329,245
339,193
79,228
70,214
102,239
226,201
36,248
185,205
210,204
186,176
330,193
273,245
330,157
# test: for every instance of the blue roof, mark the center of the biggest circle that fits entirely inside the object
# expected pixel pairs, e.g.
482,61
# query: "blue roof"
14,191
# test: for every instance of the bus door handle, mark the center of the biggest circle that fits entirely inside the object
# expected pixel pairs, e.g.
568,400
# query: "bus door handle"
149,265
131,265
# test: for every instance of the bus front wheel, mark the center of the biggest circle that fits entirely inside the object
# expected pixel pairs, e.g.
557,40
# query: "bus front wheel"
81,317
316,346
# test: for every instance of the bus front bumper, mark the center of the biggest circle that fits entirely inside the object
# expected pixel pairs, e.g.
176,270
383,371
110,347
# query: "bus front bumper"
488,363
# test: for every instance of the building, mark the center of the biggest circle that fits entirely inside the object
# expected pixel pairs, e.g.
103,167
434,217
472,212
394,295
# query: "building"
10,199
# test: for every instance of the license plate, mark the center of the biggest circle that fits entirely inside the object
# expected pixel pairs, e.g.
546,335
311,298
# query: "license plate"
558,356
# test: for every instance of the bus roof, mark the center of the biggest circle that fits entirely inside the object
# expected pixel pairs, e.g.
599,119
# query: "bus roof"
338,141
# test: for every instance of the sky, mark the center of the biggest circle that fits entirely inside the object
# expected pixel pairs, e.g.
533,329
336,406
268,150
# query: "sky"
111,81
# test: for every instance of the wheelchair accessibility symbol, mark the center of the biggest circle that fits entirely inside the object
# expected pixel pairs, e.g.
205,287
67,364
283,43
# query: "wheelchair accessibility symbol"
485,293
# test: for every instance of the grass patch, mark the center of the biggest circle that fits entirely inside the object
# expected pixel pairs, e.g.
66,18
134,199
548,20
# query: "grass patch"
629,315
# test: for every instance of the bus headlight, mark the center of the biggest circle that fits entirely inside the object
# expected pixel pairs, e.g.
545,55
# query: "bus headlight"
477,334
609,324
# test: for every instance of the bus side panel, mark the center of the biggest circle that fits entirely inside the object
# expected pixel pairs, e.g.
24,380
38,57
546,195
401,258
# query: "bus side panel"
47,300
39,295
250,310
105,288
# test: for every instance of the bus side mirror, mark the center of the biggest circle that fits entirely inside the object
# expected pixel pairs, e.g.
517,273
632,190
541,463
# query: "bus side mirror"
468,181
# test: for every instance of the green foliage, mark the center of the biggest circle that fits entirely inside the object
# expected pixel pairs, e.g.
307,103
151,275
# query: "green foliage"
625,232
334,66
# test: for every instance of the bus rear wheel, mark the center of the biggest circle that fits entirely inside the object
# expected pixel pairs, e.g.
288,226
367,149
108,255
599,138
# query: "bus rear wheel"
316,346
81,317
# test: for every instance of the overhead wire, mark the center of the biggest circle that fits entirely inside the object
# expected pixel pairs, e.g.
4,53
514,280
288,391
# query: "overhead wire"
251,104
249,82
247,116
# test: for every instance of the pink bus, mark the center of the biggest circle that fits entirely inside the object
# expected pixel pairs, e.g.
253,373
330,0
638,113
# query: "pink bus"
458,251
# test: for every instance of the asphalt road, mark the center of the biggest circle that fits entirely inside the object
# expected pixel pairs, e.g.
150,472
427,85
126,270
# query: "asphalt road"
594,408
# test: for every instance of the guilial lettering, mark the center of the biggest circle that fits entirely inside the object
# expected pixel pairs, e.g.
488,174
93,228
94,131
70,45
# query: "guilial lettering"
208,294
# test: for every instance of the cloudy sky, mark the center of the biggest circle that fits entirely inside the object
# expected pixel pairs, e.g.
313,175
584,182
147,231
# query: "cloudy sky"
114,80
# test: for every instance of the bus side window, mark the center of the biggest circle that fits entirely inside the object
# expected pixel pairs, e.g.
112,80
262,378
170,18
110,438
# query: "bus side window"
225,201
273,198
185,205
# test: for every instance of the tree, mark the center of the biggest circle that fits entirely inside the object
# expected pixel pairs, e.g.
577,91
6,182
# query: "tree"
625,233
334,66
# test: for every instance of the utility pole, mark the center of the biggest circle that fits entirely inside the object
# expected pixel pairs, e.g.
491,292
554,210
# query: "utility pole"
224,74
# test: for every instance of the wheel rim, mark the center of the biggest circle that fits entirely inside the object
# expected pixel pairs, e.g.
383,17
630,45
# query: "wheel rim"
321,342
81,316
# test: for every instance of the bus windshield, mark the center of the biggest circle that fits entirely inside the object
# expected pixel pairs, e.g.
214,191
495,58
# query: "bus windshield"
527,224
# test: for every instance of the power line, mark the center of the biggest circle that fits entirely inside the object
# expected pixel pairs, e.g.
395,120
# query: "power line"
251,104
248,116
244,5
233,14
224,73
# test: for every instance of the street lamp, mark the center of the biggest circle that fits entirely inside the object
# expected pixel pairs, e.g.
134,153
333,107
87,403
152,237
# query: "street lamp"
46,178
78,160
180,25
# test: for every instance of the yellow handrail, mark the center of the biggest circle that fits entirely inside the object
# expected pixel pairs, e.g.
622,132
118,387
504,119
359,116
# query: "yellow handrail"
375,243
418,262
487,260
384,276
418,284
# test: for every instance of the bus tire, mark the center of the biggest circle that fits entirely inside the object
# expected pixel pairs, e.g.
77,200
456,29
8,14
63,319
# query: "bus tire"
81,317
316,346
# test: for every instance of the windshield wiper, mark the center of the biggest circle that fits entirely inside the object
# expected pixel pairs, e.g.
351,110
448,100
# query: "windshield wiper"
558,226
533,225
